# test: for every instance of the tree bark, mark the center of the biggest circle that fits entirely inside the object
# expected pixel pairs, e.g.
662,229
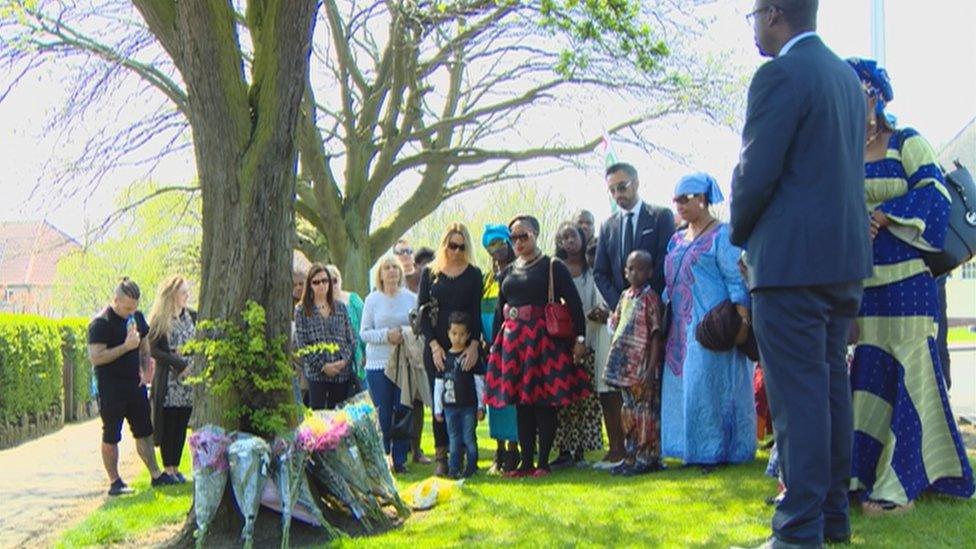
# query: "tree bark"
243,137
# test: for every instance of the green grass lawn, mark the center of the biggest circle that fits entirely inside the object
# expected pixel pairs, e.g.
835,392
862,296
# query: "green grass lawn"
961,335
572,508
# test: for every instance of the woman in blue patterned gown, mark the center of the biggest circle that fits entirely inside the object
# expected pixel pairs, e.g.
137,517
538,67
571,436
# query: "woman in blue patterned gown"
905,439
708,413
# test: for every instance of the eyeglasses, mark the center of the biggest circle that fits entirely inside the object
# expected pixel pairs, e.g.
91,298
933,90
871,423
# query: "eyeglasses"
496,246
620,187
321,281
403,251
751,16
453,246
520,237
684,198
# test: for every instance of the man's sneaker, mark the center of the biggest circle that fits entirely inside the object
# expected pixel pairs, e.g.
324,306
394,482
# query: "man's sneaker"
164,479
180,478
119,488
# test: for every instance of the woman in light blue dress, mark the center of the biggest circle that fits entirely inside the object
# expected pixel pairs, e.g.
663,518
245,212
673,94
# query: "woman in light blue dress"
708,414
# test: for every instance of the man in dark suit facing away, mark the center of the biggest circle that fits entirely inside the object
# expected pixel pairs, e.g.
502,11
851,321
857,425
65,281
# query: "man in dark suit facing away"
635,226
799,211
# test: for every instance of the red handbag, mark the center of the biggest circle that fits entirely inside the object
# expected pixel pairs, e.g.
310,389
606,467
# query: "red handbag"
559,323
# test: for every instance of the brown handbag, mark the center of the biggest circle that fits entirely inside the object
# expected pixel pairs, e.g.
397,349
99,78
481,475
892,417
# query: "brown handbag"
559,323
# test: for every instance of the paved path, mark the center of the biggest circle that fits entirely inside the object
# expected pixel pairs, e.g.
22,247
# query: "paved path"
54,481
963,392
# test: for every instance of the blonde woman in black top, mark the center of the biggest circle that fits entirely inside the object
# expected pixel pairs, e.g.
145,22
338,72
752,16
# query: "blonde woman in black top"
450,283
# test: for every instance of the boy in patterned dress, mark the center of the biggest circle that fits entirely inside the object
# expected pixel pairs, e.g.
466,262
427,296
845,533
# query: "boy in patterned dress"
634,366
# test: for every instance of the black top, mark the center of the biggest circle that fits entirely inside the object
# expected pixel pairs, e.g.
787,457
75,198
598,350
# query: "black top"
460,293
111,329
530,286
465,393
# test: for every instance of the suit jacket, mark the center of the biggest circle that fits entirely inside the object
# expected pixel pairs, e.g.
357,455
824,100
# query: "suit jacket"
798,202
655,225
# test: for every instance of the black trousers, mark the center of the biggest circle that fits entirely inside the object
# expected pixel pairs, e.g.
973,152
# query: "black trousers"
326,395
802,336
439,428
536,422
175,421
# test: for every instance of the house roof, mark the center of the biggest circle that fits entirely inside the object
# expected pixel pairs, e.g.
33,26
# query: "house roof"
29,252
962,147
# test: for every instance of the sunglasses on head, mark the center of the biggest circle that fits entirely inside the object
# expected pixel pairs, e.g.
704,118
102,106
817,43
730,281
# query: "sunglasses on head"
684,198
453,246
520,237
620,187
403,251
321,281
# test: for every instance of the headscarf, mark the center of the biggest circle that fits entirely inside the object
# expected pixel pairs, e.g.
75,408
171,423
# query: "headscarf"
700,183
875,80
493,232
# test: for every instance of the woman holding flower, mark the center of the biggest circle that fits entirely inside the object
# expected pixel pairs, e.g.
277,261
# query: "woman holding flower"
323,329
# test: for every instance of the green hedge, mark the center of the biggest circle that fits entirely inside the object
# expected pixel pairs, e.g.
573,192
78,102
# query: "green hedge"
74,335
31,366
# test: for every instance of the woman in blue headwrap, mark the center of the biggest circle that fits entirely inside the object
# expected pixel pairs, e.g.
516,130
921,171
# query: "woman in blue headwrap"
502,427
905,439
708,415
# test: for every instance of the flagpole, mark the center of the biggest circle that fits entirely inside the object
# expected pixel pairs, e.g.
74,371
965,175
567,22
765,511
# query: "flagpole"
878,32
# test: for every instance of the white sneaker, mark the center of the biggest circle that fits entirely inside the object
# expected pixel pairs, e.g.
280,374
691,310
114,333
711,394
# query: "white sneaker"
606,465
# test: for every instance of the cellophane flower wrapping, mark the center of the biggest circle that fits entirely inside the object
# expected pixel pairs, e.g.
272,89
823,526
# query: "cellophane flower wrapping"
250,459
364,421
320,434
208,446
289,464
345,460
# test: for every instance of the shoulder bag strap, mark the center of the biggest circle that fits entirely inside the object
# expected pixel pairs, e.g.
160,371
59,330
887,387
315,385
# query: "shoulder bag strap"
551,292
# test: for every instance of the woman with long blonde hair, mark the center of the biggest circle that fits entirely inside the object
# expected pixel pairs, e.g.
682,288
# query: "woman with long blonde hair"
171,325
450,283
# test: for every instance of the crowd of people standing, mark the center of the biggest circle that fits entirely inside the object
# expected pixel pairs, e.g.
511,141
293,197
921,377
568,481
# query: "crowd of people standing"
648,329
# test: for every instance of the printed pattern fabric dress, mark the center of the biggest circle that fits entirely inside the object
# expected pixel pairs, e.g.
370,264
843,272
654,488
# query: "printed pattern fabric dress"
502,424
905,438
708,412
580,423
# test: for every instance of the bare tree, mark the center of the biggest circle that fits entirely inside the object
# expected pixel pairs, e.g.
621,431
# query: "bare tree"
417,100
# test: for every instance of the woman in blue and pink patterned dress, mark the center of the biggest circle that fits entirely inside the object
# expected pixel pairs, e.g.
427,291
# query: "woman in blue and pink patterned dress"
708,414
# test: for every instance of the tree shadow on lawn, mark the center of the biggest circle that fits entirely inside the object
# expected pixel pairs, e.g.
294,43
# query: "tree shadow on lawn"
678,507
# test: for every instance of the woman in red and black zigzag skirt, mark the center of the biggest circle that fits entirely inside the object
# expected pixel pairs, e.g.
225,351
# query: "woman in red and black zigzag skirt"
527,367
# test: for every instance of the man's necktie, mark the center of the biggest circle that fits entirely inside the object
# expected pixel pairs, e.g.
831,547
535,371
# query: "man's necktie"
628,237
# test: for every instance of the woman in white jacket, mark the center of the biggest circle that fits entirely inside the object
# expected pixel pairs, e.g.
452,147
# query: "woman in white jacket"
386,317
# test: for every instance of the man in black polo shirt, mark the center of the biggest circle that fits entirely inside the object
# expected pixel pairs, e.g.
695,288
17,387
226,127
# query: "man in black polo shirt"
119,350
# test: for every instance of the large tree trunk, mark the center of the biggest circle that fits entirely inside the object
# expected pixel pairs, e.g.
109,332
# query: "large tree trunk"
243,136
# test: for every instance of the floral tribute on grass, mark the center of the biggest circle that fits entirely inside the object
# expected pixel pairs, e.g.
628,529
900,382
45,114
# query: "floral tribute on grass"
339,451
209,448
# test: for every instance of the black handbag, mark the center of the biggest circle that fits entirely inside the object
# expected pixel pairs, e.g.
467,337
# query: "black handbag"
416,316
402,426
960,240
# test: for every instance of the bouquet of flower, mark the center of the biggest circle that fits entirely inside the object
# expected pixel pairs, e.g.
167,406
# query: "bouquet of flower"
317,436
364,422
250,458
208,446
317,348
289,460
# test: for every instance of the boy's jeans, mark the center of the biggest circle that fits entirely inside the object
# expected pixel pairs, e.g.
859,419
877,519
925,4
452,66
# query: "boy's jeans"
461,423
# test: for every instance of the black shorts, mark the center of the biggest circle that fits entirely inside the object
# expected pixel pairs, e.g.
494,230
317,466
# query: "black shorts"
128,401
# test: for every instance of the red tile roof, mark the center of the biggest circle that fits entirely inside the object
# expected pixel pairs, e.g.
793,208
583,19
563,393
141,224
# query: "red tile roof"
29,252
